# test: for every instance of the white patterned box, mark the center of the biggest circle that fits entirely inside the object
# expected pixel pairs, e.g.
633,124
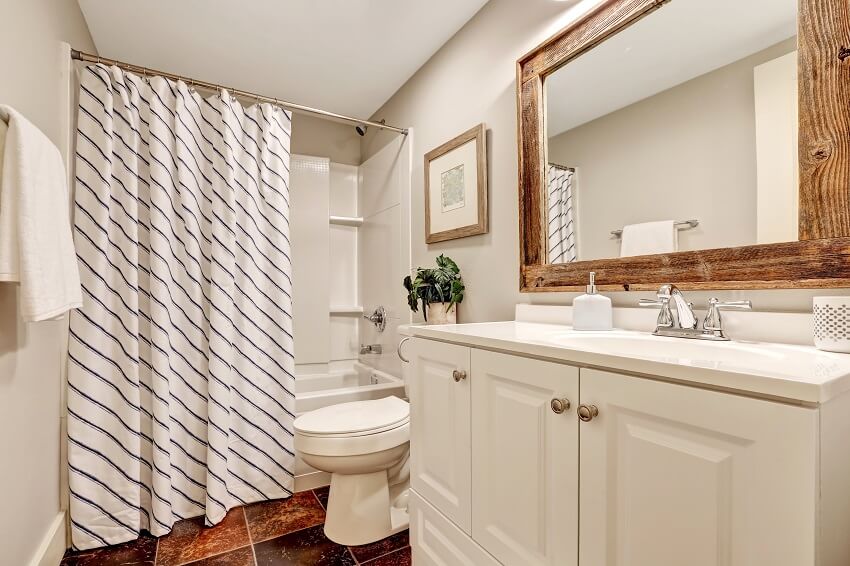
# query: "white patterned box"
832,324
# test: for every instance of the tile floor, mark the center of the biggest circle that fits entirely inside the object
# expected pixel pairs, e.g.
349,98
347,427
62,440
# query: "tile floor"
273,533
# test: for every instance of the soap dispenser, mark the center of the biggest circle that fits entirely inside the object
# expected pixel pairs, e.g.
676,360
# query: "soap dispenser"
592,311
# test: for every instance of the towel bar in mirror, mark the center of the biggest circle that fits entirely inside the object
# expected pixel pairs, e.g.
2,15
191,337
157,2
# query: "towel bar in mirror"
679,225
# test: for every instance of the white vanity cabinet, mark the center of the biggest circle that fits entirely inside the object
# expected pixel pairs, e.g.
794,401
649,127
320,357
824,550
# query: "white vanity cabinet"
674,475
655,474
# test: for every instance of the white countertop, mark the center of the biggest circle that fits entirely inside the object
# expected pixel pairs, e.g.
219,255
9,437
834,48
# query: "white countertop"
787,372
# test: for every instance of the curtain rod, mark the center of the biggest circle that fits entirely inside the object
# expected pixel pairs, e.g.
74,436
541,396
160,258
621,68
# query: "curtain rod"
88,57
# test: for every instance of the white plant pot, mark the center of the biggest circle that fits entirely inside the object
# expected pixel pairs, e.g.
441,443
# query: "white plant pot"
437,314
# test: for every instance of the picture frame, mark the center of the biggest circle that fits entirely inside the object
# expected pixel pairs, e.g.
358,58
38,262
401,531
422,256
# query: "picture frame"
456,187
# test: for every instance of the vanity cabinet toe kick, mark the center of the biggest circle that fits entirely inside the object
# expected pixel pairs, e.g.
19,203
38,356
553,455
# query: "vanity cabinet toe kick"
533,462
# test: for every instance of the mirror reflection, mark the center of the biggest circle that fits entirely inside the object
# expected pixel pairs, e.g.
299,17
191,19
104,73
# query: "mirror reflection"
677,134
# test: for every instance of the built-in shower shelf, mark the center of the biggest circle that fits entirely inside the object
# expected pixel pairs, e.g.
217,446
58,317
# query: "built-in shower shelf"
346,220
346,311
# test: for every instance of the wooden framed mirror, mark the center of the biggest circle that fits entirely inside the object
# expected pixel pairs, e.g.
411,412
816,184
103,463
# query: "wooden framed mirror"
669,110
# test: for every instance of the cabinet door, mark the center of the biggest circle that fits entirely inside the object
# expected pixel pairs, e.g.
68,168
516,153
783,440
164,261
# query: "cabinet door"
524,460
439,428
673,475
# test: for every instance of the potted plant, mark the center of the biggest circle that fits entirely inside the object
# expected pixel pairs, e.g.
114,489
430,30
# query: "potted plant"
439,290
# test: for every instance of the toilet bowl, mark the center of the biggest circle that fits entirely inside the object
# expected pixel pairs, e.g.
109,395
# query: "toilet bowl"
364,445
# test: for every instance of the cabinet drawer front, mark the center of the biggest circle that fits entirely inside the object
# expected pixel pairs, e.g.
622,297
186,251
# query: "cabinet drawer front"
524,459
439,428
677,475
437,542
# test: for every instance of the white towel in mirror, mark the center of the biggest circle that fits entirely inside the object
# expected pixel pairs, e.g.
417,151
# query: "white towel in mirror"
650,238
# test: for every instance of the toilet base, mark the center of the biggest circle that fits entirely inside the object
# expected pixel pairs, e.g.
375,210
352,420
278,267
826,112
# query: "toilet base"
360,510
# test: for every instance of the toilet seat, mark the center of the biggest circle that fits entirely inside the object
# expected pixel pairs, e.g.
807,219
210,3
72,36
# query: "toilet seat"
356,428
356,418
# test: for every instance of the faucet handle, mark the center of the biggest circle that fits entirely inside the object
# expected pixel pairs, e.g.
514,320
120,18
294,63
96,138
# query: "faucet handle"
665,317
713,321
378,318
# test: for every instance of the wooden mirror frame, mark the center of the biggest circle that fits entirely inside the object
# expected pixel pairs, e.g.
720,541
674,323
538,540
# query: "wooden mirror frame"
820,259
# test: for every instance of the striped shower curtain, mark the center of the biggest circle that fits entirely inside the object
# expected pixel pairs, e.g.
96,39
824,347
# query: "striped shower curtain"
180,379
560,218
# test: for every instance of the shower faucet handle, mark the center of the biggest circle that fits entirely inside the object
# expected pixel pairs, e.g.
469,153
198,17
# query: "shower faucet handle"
378,318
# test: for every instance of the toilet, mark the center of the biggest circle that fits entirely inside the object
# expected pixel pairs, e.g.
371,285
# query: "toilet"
364,445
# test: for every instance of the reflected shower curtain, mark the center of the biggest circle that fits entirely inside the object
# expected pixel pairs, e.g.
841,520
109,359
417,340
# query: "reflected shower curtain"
561,229
180,379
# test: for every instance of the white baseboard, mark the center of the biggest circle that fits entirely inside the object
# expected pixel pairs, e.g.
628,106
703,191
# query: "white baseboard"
52,547
312,480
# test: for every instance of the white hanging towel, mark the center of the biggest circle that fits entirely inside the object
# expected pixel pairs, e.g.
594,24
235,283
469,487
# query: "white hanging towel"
649,238
36,247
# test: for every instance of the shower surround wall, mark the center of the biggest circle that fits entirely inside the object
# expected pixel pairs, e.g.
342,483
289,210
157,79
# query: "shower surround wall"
344,271
384,243
324,266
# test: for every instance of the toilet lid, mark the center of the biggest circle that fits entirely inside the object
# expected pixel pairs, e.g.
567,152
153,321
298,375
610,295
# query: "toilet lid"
357,417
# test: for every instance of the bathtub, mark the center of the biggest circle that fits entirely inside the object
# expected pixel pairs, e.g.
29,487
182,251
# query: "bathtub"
355,383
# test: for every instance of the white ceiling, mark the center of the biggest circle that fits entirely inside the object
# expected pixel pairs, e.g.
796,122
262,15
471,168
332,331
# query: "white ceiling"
681,41
346,56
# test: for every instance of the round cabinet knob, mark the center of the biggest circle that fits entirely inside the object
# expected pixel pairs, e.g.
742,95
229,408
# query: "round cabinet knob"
459,375
560,405
587,412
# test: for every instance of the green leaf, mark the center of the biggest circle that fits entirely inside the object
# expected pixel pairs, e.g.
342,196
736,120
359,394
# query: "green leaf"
447,263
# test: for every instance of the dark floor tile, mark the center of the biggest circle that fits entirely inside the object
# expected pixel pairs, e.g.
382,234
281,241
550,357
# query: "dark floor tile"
240,557
383,546
305,547
399,557
139,552
322,494
190,541
270,519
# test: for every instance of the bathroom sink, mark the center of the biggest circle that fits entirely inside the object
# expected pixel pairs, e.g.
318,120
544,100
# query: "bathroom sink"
732,355
635,344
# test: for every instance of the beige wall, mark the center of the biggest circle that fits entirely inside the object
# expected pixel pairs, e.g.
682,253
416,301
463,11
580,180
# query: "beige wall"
33,82
687,152
471,80
324,138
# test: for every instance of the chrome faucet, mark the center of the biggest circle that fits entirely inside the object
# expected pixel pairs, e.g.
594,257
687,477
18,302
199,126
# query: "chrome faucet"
677,318
670,296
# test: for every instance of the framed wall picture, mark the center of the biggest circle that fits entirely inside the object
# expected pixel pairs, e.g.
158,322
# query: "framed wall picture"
456,187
